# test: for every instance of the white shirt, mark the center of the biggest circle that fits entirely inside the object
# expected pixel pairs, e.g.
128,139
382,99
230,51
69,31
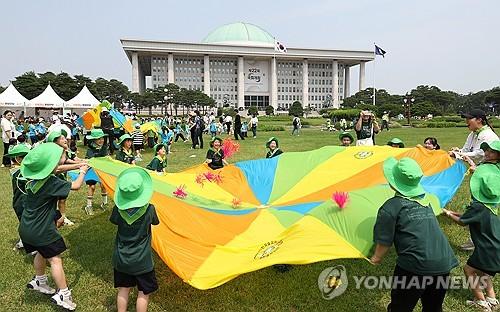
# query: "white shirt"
472,146
6,128
56,120
228,118
254,121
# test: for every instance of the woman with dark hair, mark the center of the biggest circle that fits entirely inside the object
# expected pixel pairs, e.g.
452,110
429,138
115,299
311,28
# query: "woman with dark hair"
431,143
7,131
366,128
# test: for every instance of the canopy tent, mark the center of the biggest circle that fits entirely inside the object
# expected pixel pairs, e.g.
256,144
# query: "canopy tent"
11,97
84,99
48,99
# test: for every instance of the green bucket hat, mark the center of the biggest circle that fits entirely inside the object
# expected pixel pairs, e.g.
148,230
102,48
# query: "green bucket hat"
54,135
96,134
41,161
18,150
346,134
485,184
396,141
124,137
157,147
134,188
215,139
404,176
272,139
495,145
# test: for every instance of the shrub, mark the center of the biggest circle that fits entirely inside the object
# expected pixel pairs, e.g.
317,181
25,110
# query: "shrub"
266,128
442,124
448,119
348,114
394,124
269,110
253,110
296,109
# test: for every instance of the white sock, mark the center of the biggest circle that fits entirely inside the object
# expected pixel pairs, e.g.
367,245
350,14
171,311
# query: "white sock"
105,198
89,201
42,279
65,292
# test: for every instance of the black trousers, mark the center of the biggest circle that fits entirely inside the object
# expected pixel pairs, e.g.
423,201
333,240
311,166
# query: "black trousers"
404,299
385,124
6,160
109,139
237,132
179,135
254,131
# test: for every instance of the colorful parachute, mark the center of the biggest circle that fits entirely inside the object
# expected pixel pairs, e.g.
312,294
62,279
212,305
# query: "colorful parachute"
92,118
216,225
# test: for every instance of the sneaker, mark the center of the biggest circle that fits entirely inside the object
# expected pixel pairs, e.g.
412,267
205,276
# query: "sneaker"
40,287
89,210
494,304
68,221
482,305
64,301
104,206
33,253
468,246
19,245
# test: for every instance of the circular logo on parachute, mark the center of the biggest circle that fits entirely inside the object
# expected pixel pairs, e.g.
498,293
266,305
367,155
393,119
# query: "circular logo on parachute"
363,154
332,282
267,249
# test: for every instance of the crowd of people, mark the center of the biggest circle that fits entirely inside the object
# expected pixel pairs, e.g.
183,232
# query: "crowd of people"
41,153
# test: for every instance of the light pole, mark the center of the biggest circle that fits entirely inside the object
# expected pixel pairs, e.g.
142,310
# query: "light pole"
167,99
408,102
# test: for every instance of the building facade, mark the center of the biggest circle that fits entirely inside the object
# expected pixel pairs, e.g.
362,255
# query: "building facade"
238,65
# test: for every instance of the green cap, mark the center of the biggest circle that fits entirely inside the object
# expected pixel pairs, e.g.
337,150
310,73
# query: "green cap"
346,134
18,150
158,147
96,134
495,145
134,188
54,135
124,137
485,184
396,141
404,176
41,161
270,140
215,139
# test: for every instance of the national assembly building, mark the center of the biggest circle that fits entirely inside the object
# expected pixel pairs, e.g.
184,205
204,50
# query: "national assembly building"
239,65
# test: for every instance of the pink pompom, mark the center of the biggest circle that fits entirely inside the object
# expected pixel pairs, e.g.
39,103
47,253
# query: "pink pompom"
180,191
229,147
340,198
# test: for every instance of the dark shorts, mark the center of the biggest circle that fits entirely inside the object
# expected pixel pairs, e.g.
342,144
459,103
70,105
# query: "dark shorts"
145,282
138,147
91,182
490,273
47,251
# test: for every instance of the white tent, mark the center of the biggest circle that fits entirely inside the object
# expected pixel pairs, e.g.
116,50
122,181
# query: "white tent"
48,98
84,99
11,97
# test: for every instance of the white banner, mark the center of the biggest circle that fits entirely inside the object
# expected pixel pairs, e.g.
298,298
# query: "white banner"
256,76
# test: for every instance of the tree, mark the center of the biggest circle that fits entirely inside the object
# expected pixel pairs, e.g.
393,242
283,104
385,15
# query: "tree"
171,92
135,99
253,110
149,100
29,85
296,109
269,110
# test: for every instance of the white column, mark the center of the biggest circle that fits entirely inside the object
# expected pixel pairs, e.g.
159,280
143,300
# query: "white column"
305,83
170,68
274,84
135,72
206,75
241,82
347,81
361,76
335,87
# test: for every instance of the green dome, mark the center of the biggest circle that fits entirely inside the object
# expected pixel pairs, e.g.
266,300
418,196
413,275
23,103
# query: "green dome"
240,34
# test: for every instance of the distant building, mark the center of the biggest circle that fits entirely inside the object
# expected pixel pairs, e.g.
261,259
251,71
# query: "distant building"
238,65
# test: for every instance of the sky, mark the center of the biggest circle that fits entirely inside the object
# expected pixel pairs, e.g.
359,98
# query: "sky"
451,44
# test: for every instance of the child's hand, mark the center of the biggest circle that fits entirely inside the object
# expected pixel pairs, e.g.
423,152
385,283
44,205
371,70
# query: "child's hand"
84,168
60,222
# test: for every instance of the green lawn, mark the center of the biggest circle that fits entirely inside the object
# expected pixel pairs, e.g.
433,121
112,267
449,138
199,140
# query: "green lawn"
88,260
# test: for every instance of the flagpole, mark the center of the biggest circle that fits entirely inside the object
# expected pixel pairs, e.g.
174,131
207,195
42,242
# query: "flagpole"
374,61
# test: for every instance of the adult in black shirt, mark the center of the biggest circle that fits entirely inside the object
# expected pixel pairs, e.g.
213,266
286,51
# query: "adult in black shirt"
237,126
215,154
108,127
366,128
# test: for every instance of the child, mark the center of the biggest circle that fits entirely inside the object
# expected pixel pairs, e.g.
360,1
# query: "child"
215,155
346,139
132,257
97,148
396,143
17,153
491,155
179,130
37,228
167,136
484,225
151,135
159,162
273,145
213,128
244,129
431,143
21,139
138,139
125,153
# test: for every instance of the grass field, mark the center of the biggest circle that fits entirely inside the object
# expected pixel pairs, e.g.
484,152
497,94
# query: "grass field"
88,260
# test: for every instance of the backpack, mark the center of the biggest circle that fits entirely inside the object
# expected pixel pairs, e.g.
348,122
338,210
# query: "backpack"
295,122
